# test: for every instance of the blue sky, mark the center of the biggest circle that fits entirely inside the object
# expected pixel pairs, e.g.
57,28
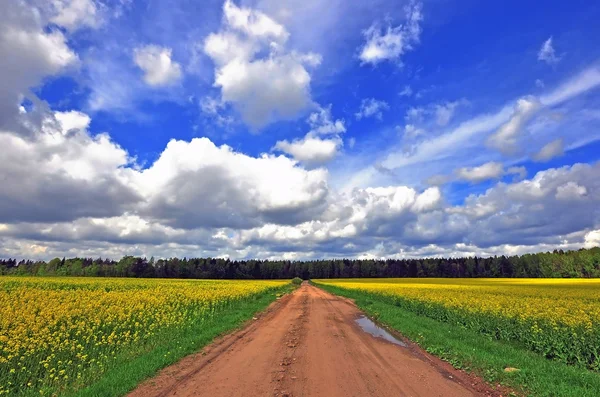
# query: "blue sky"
298,129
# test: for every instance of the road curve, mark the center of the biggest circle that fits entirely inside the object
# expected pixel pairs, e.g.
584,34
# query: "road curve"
308,344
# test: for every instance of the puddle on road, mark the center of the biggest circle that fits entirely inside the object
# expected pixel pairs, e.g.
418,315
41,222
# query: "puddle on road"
370,327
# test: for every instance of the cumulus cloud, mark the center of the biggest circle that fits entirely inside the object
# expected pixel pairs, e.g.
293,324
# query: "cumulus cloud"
312,149
505,138
554,203
321,122
65,174
390,43
62,173
156,63
490,170
254,71
550,150
235,190
244,215
382,211
592,239
29,51
547,53
75,14
72,120
70,191
371,107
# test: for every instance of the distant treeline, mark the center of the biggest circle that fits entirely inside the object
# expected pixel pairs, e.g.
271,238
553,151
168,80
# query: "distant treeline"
582,263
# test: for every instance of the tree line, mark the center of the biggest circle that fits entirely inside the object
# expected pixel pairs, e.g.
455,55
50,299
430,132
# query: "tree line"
581,263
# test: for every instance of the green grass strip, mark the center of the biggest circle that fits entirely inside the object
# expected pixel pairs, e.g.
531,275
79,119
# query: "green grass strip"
480,354
127,373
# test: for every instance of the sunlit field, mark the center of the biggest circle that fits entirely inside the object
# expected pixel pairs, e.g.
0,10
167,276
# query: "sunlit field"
558,318
58,334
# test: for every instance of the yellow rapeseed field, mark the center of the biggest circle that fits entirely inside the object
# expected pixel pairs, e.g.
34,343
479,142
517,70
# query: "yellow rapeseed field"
559,318
57,332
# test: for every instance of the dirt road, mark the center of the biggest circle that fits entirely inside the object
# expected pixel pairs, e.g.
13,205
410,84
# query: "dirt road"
309,344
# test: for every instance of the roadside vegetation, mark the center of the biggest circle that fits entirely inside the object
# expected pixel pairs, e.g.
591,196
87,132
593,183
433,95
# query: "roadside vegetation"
101,337
539,337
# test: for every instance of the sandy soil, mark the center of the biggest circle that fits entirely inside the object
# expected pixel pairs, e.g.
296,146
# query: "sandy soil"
309,344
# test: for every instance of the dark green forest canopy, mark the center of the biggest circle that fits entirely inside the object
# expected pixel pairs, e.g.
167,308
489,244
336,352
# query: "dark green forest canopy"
581,263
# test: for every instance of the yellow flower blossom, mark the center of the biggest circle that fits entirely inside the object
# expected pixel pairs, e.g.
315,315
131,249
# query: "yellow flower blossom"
57,329
557,317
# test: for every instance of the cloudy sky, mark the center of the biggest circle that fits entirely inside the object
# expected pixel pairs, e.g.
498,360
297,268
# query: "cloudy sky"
298,129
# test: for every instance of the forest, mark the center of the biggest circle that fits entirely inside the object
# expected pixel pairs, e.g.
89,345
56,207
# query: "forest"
582,263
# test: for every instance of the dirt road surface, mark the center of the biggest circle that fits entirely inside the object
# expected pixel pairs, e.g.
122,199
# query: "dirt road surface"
308,344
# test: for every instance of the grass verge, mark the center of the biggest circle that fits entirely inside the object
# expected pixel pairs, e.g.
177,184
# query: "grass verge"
127,372
473,352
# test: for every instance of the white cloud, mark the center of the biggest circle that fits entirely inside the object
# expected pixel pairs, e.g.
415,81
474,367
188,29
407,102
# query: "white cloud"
411,132
351,142
438,180
69,192
592,239
391,43
550,150
456,146
547,53
582,82
254,72
371,107
539,83
415,114
29,51
62,173
505,138
73,120
570,191
519,172
156,63
261,206
554,203
490,170
265,90
253,23
466,143
322,123
380,211
311,150
214,108
75,14
235,190
437,147
406,91
444,112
